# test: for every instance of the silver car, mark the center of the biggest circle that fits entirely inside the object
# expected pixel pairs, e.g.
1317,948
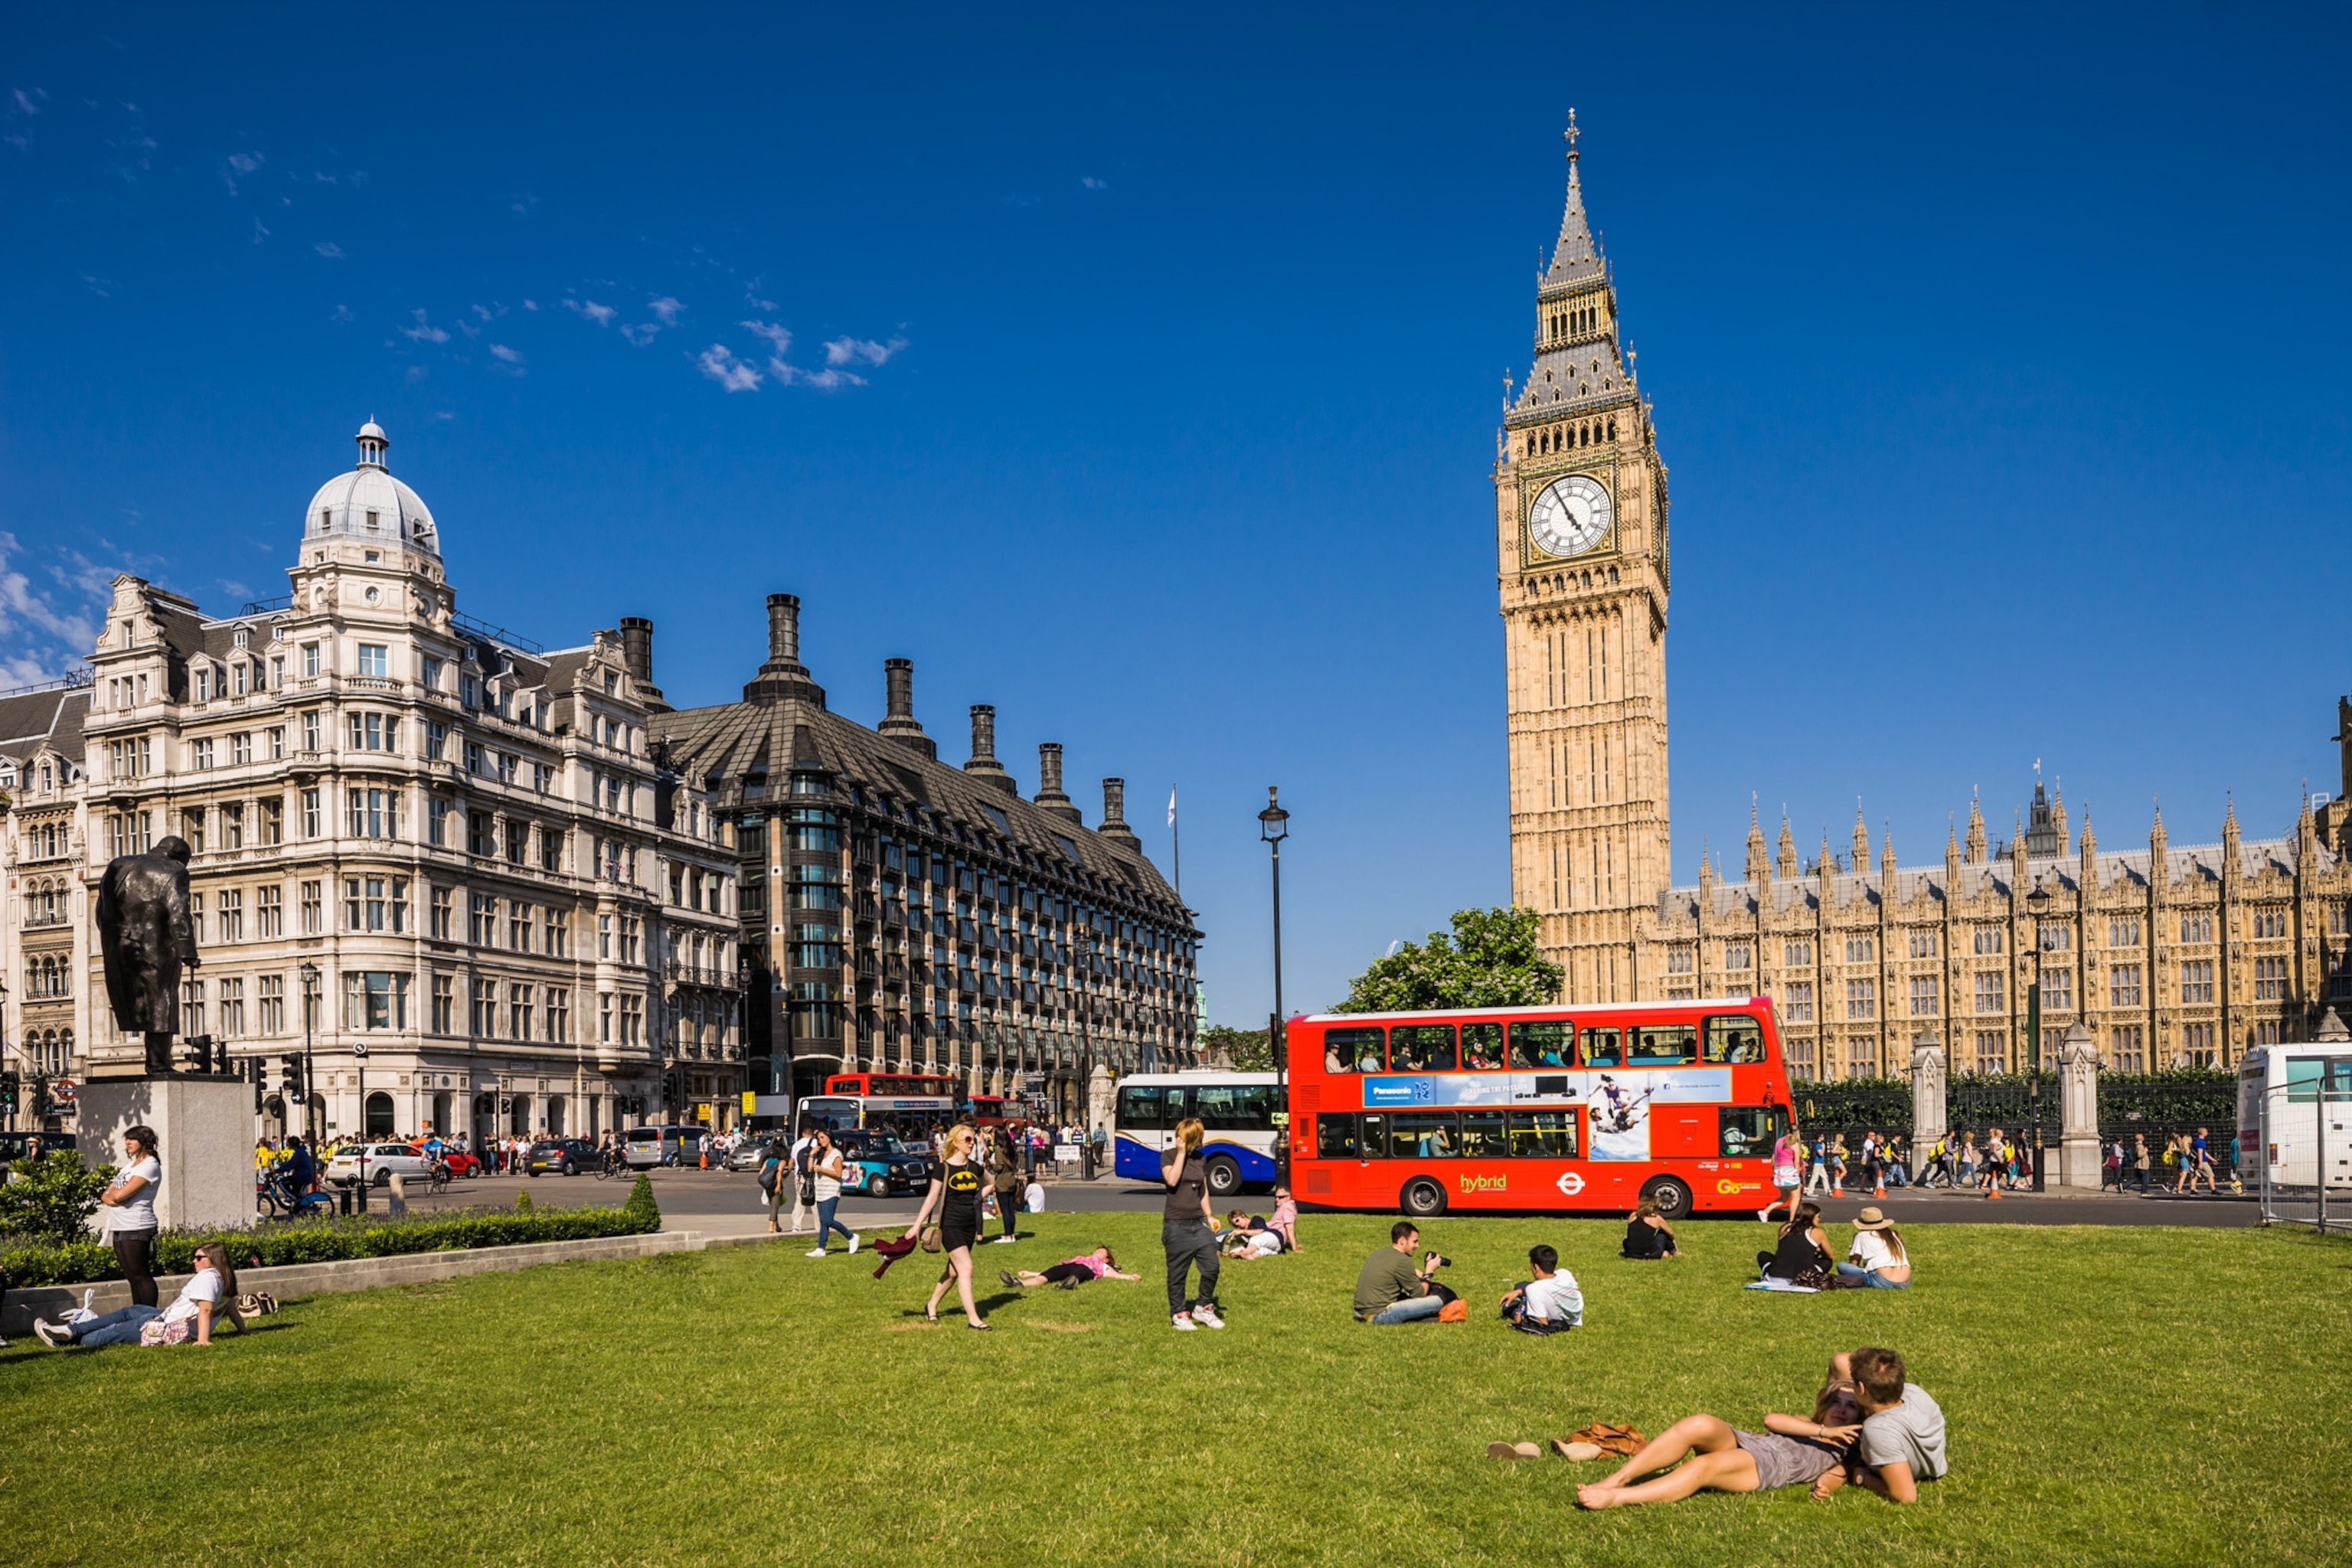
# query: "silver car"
382,1161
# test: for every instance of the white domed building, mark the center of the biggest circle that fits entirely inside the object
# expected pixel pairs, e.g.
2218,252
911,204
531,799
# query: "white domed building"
454,840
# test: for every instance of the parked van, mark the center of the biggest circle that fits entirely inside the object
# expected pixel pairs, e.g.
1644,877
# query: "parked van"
663,1145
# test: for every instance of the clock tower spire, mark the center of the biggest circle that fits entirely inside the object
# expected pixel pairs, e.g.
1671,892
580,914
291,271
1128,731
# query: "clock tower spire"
1583,574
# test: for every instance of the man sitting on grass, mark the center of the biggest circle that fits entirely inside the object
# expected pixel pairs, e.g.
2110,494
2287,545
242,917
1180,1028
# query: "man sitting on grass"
1549,1303
1390,1290
1902,1430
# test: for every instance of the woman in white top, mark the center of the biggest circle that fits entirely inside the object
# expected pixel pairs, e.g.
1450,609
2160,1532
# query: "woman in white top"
1878,1257
825,1162
189,1316
132,1227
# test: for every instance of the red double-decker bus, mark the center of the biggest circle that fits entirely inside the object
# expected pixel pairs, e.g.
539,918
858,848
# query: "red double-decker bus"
1538,1109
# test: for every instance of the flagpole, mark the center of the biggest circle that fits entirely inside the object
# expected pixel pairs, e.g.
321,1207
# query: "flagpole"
1175,844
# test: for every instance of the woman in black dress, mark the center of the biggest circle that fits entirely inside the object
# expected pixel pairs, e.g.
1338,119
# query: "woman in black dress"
956,1184
1803,1254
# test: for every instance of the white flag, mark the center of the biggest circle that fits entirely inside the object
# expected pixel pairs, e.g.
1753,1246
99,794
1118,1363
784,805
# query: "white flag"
1172,805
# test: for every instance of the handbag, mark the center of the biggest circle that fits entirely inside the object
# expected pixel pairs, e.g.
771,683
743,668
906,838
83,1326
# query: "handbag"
1623,1441
931,1241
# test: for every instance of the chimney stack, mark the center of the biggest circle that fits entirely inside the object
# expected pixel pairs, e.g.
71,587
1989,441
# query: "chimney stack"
1114,822
900,723
983,765
1050,797
637,654
784,678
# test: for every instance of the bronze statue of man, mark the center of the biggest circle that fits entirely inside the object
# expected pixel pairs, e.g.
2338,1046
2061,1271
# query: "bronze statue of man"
145,935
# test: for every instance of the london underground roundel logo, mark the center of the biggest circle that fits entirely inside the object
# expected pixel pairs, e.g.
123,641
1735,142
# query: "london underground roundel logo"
1570,1183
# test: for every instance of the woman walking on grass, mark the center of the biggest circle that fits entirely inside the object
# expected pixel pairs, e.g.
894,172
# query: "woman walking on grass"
1004,1175
1185,1231
954,1193
1788,1174
826,1165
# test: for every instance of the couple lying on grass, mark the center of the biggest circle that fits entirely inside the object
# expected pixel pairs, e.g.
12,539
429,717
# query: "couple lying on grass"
1869,1427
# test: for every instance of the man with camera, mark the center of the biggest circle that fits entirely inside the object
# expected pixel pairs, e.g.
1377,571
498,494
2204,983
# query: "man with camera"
1392,1290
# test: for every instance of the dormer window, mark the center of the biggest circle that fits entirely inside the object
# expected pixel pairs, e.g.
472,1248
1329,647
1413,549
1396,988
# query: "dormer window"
326,519
371,522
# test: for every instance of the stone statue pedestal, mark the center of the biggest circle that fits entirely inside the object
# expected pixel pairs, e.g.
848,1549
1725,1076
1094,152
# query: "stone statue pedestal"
1101,1091
2078,1108
205,1127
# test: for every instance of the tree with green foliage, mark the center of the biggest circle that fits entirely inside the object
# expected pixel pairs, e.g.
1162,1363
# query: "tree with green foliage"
1245,1048
1491,960
641,1208
52,1198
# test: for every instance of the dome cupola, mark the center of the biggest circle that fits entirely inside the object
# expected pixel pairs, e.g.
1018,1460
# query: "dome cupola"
369,505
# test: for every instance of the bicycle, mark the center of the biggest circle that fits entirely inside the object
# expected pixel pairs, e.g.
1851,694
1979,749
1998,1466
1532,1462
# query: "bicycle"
436,1180
613,1165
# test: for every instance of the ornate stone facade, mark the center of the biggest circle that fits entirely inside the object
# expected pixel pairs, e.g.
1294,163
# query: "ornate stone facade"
519,921
2169,954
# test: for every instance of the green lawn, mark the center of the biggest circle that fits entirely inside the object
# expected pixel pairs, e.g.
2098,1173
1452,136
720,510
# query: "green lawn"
2115,1395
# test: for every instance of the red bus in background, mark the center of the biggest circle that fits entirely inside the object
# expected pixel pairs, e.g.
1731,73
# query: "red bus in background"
1538,1109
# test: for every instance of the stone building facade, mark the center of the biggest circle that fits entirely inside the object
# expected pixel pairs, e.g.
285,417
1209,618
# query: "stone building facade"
901,913
434,860
2169,954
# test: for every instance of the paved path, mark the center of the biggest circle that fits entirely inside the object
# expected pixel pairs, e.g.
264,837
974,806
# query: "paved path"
729,1205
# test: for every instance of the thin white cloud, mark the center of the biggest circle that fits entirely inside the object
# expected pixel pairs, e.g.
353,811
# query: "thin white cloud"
666,309
342,313
443,414
642,334
531,304
601,314
424,331
260,231
779,339
491,312
1090,182
826,380
101,286
500,352
330,250
237,166
861,351
25,104
718,363
39,640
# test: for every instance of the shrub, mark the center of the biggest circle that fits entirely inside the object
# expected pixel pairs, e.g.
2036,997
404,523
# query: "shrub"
522,1203
641,1206
52,1198
32,1261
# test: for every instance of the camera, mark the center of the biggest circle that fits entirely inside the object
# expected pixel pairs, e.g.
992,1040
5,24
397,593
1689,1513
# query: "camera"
1437,1260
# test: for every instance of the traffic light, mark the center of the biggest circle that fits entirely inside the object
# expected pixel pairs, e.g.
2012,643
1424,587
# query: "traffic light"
257,1070
290,1079
200,1053
9,1083
40,1094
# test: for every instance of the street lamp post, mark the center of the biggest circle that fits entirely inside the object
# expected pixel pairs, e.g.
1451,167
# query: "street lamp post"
1083,949
1274,826
310,974
2037,902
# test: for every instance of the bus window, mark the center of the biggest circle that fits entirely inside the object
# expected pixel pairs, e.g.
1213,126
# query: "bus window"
1542,1045
1601,1049
1663,1044
1176,1104
1138,1106
1482,1047
1234,1107
1335,1137
1543,1134
1737,1038
1482,1136
1749,1131
1375,1146
1352,1050
1421,1047
1421,1135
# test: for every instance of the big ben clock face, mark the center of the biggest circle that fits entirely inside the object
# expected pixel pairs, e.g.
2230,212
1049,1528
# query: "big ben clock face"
1571,516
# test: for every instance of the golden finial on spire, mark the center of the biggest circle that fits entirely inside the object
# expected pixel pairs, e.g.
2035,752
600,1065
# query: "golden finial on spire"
1571,134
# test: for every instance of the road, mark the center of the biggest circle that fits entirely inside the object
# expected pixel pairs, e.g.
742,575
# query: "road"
718,1201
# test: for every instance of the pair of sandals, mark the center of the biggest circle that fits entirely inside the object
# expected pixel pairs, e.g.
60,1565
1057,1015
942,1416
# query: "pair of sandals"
1565,1447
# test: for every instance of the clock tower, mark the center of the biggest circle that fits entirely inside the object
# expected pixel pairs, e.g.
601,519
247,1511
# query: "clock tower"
1581,549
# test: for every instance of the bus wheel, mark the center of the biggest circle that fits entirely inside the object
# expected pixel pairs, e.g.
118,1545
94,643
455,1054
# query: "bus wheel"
1224,1177
1671,1196
1424,1198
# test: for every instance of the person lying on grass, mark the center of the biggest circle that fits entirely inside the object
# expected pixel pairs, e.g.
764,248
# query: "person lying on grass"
1902,1430
1247,1237
1069,1274
1791,1450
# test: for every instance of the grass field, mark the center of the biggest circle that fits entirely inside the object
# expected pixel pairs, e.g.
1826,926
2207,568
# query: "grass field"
2115,1395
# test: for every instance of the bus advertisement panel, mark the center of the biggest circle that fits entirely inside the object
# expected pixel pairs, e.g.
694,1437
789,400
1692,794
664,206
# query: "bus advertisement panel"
1539,1109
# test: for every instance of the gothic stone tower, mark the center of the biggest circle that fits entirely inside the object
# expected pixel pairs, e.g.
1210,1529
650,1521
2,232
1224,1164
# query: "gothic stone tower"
1580,550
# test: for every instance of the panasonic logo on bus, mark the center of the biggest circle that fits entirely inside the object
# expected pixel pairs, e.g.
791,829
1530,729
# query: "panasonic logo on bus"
1399,1091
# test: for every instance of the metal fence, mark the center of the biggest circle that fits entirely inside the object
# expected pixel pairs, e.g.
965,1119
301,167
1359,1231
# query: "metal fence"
2314,1124
1978,1102
1853,1107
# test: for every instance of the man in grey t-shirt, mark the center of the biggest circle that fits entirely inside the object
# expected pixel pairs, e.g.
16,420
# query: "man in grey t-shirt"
1902,1427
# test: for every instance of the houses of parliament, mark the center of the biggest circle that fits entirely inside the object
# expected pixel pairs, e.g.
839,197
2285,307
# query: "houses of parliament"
2169,954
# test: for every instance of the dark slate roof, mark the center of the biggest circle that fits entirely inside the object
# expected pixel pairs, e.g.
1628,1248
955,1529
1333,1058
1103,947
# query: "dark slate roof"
33,719
722,746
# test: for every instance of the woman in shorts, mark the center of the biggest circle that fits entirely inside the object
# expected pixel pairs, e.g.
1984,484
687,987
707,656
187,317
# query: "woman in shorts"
1068,1274
1792,1450
1788,1174
956,1184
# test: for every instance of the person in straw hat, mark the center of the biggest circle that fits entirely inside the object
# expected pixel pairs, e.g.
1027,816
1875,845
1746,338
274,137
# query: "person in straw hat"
1877,1258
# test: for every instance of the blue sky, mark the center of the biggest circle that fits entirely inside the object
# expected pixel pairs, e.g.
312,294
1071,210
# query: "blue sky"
1137,373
